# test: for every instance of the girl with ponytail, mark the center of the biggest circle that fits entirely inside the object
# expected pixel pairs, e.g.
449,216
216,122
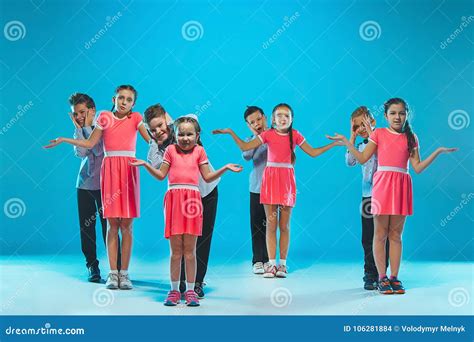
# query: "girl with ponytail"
392,198
278,189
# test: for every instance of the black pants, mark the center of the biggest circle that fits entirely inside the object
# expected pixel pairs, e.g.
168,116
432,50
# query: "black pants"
89,205
258,228
370,270
203,244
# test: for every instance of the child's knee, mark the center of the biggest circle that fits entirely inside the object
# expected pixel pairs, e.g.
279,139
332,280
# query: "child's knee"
395,236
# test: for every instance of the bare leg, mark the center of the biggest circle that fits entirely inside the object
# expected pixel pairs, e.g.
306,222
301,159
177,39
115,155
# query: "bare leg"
395,229
380,238
112,241
189,243
284,223
176,253
271,212
126,230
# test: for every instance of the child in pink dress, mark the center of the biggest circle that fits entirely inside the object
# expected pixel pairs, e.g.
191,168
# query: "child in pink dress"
392,197
119,182
183,162
278,191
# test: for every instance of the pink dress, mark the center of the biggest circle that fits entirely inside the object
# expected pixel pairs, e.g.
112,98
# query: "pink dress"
182,204
119,181
278,180
392,192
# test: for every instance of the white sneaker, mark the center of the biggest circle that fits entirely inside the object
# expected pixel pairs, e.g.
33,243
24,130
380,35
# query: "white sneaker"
270,271
112,282
258,268
125,283
282,271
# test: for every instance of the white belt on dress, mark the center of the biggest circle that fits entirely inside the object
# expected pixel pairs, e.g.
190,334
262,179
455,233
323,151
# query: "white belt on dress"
183,186
119,154
392,168
284,165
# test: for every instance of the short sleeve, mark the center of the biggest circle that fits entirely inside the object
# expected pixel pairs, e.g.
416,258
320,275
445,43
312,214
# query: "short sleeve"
104,120
264,136
374,137
416,142
202,157
168,155
138,119
298,138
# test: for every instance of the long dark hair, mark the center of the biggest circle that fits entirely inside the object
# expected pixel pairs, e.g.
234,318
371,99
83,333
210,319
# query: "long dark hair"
406,127
126,87
290,129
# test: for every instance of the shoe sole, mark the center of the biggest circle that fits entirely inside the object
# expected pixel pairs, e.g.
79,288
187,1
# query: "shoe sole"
170,304
271,275
399,292
386,292
258,272
281,275
192,304
94,280
111,287
125,288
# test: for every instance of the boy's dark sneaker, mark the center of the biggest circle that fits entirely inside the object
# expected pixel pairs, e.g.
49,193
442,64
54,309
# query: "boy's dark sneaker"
198,288
384,286
397,286
94,274
370,284
182,287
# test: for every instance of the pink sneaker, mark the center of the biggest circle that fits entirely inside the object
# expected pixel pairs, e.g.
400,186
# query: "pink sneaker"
191,298
173,298
270,271
281,271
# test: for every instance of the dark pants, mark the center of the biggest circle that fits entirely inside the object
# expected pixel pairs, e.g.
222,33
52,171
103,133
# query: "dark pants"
89,205
370,270
258,228
203,244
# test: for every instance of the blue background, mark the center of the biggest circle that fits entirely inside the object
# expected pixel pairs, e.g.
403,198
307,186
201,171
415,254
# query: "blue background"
320,64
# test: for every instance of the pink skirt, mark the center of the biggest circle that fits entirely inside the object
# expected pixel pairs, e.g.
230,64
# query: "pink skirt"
120,187
183,212
392,194
278,186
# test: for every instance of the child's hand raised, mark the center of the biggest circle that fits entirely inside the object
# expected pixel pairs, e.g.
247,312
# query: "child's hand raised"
137,162
338,138
74,121
367,125
447,149
54,142
222,131
234,167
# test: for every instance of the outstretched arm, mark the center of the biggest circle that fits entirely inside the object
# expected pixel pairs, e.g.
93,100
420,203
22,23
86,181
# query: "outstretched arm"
210,176
317,151
86,143
420,165
159,174
361,157
243,145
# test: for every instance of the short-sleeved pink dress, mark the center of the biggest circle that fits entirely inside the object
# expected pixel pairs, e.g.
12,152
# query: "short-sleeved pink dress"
119,181
392,192
278,180
182,203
